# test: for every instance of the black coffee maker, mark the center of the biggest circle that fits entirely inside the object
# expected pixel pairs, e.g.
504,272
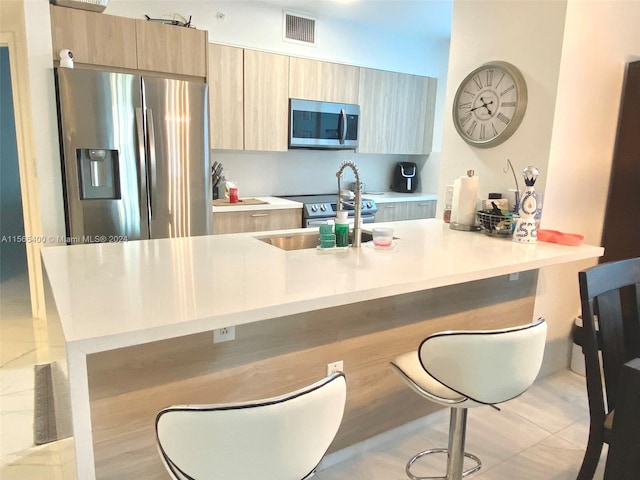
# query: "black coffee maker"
405,177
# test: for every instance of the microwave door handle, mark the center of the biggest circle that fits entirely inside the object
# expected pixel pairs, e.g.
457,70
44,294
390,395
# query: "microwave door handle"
343,133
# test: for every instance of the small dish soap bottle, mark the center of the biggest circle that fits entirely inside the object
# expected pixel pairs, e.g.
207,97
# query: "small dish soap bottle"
342,229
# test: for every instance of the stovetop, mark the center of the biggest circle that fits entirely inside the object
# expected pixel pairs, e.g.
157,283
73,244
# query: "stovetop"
325,205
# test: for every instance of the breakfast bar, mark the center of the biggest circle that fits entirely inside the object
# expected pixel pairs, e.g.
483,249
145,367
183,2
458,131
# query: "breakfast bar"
130,325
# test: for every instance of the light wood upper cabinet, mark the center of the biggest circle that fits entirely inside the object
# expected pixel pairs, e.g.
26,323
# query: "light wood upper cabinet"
266,101
112,41
226,97
397,112
324,81
94,38
171,49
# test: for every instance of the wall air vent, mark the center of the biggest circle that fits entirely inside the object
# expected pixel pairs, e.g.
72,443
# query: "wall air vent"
299,28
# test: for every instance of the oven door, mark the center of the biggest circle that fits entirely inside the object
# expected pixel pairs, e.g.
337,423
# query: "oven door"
316,222
323,125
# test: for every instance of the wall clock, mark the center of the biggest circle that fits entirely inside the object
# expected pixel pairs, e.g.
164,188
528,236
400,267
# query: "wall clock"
489,104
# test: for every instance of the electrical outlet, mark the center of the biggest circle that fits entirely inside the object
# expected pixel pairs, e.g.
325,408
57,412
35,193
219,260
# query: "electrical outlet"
335,367
224,334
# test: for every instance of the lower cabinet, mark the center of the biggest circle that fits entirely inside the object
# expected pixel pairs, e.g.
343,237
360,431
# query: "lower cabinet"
256,220
396,211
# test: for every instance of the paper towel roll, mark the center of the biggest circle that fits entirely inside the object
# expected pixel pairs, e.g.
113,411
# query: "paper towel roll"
465,200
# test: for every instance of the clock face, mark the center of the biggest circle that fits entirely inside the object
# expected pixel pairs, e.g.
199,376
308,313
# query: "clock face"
489,104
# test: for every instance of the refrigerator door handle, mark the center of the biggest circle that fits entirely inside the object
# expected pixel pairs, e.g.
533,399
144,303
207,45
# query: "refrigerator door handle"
152,159
142,154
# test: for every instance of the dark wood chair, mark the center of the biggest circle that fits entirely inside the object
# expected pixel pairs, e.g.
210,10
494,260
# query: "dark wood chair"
623,459
610,298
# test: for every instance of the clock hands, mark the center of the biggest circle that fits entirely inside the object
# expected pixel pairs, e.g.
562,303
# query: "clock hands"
485,105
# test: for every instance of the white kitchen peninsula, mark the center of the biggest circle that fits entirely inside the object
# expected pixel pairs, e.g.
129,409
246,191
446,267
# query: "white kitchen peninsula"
136,321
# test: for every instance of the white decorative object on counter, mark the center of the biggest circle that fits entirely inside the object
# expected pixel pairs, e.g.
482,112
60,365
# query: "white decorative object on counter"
526,231
465,200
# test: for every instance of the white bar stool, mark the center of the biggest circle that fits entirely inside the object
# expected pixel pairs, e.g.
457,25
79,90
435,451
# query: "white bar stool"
462,369
280,438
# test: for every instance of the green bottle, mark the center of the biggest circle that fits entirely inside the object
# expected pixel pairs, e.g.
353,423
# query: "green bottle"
342,229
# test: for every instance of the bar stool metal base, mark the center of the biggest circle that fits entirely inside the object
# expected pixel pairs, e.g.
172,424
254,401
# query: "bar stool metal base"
455,452
418,456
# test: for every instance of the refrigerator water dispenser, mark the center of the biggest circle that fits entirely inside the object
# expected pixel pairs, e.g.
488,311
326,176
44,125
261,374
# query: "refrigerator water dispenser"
98,172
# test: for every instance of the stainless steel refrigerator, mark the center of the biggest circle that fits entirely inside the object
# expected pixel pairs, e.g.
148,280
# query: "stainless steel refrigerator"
135,156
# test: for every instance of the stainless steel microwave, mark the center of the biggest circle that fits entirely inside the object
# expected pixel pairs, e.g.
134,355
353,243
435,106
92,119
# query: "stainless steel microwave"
323,125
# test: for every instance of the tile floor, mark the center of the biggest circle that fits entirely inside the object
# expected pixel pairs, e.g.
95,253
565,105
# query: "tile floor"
538,436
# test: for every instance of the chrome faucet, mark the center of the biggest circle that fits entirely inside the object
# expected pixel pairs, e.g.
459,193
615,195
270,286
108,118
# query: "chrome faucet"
357,232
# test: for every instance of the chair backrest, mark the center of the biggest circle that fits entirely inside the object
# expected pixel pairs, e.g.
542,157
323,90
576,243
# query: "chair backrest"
280,438
487,366
610,298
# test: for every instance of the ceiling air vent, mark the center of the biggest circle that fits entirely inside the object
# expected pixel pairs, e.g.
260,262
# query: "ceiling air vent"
299,28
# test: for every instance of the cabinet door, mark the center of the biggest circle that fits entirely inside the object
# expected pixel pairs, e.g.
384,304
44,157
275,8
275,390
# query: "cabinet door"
422,209
256,220
94,38
324,81
226,97
391,212
171,49
266,101
397,112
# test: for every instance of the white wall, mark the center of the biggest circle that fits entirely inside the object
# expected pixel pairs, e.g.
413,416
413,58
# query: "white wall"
585,121
488,30
574,69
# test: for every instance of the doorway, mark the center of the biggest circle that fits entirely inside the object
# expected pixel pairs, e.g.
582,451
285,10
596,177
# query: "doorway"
13,252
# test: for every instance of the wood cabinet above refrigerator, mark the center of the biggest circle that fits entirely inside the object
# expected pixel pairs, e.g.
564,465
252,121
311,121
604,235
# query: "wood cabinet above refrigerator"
127,43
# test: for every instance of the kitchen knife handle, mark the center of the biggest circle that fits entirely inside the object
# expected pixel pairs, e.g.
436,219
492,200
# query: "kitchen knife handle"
152,159
142,155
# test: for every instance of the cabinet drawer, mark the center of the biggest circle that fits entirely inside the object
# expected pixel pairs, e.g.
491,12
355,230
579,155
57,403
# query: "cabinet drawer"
391,211
423,209
256,220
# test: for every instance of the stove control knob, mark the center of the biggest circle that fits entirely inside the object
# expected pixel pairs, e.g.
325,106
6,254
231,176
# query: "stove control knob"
314,208
361,205
368,204
323,207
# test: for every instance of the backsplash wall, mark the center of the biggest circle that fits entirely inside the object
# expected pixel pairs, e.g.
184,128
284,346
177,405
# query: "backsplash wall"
313,171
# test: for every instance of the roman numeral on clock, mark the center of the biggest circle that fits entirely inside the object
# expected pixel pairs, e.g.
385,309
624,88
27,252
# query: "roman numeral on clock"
508,104
489,77
502,117
472,128
507,90
478,81
465,119
462,106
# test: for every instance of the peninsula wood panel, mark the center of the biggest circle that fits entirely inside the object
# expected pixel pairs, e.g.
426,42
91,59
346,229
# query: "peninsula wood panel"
324,81
128,386
256,220
94,38
171,49
266,101
226,97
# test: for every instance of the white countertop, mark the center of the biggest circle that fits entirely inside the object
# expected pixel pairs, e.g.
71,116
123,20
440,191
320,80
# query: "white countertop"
114,295
272,203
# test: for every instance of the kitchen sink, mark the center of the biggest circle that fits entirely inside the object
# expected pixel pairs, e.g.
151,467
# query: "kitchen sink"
300,241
